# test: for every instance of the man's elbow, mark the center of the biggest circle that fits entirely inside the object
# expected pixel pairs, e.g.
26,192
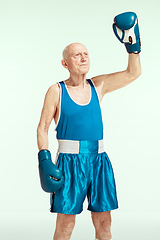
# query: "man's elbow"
139,72
132,76
42,129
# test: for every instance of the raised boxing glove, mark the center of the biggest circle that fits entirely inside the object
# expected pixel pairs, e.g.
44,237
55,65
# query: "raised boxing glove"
51,177
126,29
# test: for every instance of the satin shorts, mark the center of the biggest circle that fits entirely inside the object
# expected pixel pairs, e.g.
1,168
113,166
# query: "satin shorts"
87,174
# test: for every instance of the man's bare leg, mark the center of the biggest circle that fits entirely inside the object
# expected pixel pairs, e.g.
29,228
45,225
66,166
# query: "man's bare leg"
102,224
64,226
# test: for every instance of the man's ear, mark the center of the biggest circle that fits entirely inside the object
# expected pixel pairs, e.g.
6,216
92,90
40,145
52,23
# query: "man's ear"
64,63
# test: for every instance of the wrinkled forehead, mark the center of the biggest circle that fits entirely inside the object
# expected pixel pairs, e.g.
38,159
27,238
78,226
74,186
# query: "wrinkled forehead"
74,48
77,48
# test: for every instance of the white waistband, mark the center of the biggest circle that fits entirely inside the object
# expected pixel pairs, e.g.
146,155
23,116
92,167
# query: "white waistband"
69,146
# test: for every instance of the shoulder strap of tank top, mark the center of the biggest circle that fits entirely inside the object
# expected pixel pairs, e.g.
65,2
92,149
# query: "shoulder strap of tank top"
61,83
90,82
94,87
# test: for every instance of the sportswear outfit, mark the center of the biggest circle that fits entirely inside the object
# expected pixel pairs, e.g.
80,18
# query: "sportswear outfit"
85,165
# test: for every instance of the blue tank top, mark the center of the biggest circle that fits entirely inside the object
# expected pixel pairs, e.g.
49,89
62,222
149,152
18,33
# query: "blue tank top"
79,122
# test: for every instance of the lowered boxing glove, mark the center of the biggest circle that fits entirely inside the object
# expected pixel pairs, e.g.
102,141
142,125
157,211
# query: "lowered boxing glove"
126,29
51,177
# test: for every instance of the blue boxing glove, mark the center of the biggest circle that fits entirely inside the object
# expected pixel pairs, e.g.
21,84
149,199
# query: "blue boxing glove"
126,29
51,177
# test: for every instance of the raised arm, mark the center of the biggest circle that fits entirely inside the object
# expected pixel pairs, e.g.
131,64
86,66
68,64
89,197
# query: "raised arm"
47,115
111,82
126,30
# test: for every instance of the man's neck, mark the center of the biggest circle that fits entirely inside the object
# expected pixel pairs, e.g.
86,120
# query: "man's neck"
77,81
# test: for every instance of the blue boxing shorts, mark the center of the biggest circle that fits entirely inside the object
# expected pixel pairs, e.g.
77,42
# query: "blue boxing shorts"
87,172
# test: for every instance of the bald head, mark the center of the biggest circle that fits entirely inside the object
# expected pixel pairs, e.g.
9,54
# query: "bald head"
76,58
71,47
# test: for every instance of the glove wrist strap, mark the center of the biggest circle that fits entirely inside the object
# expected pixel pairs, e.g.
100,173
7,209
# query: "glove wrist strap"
44,155
134,48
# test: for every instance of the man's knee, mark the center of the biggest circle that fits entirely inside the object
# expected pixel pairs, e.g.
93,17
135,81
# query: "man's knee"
64,226
102,224
101,219
65,222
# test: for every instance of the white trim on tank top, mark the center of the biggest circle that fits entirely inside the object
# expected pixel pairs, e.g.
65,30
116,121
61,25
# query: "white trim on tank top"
84,104
73,99
59,106
96,91
98,98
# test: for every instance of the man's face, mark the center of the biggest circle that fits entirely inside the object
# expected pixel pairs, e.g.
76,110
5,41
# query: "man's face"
77,59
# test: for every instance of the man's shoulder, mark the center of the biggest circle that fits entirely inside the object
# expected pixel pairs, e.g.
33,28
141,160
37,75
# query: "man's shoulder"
54,89
98,79
53,93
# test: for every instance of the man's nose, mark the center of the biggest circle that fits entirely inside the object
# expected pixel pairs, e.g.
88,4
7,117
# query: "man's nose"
83,58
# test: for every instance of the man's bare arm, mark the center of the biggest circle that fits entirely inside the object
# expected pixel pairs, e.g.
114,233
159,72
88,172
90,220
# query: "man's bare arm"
111,82
47,115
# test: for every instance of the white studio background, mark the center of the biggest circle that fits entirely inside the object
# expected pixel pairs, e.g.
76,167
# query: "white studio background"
32,36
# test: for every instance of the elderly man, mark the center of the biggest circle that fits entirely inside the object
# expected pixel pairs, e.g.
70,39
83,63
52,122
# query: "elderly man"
83,167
